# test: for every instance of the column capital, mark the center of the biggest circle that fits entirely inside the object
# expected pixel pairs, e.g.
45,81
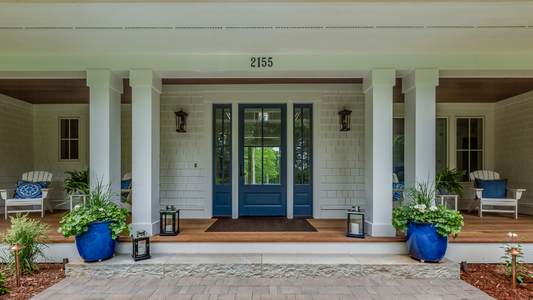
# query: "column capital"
420,77
146,78
379,77
105,78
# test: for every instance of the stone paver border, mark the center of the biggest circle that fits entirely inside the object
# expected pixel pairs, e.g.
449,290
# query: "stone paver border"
262,289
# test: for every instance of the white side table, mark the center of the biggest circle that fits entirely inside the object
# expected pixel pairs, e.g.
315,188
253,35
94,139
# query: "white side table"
78,197
443,198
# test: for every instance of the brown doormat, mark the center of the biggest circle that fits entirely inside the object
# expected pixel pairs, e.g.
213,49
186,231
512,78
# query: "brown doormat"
261,224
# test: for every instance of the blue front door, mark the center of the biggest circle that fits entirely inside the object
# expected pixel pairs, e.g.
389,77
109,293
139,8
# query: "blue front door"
262,160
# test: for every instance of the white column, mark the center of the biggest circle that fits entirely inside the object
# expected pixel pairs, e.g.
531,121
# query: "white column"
377,86
105,88
146,89
420,113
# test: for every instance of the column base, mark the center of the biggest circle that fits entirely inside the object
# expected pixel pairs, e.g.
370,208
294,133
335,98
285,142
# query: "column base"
380,230
152,229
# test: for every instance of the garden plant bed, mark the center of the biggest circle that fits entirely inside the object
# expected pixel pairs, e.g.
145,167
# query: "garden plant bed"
492,279
31,285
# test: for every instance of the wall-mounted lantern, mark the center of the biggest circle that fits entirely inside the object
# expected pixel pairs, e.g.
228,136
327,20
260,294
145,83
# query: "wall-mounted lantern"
344,119
141,246
181,120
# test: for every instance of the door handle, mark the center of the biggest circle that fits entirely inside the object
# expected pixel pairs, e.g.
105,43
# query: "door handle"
240,173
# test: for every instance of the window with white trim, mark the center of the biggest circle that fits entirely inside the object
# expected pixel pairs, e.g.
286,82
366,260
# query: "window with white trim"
69,139
469,145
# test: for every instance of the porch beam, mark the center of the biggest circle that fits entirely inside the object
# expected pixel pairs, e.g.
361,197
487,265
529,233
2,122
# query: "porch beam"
105,88
419,88
146,89
377,86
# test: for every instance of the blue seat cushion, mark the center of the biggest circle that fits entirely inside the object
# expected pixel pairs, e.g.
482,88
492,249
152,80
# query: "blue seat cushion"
30,190
397,186
125,185
492,188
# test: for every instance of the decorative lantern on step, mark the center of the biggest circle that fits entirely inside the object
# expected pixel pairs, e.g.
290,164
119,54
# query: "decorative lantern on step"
344,119
356,224
181,120
141,246
170,221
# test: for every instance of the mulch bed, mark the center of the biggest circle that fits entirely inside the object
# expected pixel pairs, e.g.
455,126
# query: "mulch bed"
492,279
31,285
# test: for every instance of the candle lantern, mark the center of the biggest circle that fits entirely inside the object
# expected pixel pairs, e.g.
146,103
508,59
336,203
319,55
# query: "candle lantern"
141,246
356,224
16,247
170,221
181,120
344,119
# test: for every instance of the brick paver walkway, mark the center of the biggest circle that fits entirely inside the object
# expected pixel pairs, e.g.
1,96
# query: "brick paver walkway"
235,288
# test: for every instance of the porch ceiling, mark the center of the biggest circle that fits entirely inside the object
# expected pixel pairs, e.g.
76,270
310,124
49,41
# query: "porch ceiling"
265,28
449,90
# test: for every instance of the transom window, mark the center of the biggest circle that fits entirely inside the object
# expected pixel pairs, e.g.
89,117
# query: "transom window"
69,138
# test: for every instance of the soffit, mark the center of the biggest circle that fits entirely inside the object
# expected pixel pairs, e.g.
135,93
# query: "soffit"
265,28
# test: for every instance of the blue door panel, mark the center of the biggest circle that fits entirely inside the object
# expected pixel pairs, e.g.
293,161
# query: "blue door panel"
303,187
263,199
221,192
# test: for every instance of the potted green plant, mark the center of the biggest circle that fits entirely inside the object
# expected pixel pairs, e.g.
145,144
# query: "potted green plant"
428,225
448,181
96,224
76,182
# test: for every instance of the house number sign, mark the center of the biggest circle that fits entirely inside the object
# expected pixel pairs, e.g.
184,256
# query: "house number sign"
262,62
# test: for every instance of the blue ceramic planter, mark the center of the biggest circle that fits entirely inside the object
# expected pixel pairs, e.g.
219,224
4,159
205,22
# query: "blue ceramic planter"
424,243
96,243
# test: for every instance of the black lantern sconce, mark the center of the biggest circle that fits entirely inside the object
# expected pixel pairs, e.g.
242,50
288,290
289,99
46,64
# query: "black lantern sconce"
181,120
141,246
344,119
356,224
170,221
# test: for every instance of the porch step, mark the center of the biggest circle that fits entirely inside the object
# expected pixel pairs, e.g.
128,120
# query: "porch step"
264,266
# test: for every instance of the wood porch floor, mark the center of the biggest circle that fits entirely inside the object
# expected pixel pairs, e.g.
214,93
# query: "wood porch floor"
492,228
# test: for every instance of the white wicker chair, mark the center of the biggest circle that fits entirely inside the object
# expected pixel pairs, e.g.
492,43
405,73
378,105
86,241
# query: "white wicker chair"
512,201
34,176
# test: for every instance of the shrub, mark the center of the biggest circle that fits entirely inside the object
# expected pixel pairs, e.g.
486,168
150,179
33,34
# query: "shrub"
30,233
3,281
98,207
77,181
420,207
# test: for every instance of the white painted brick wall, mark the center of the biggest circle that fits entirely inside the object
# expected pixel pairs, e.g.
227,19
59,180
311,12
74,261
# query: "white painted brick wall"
342,177
513,143
16,141
182,183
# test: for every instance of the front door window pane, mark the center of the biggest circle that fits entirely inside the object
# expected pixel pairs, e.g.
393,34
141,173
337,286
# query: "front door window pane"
253,126
253,166
272,127
272,165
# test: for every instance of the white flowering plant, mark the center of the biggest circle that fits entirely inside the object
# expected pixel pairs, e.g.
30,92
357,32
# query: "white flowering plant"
99,206
507,258
421,208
